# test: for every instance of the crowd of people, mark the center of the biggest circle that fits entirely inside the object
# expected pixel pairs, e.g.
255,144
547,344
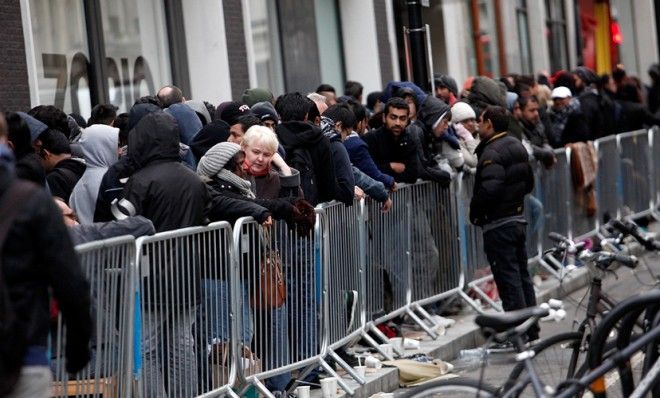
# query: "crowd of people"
170,163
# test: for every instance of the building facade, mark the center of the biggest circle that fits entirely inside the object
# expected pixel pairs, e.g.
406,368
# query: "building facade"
77,53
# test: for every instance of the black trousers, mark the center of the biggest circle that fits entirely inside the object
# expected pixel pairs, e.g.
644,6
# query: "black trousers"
507,254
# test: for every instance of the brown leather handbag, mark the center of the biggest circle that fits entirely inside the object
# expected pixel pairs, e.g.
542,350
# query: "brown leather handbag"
270,290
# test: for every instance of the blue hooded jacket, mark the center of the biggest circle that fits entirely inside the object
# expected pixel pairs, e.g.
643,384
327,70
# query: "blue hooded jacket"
189,125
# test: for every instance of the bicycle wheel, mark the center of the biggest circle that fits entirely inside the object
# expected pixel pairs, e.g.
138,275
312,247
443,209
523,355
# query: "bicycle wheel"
555,360
452,388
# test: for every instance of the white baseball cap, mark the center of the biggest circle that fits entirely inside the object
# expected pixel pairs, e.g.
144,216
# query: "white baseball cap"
561,92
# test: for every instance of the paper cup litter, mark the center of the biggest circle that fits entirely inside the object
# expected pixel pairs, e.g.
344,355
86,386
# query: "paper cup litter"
329,387
302,392
361,371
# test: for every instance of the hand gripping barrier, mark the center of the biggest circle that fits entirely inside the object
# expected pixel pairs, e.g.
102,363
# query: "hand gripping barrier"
109,268
185,313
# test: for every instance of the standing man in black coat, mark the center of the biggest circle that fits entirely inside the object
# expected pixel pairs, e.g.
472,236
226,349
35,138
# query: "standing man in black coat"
502,180
37,260
172,196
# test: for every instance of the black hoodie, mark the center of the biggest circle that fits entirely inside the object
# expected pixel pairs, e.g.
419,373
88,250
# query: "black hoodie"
309,152
162,189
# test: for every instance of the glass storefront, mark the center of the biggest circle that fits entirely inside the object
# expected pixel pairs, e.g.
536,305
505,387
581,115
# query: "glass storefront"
137,57
61,54
266,45
136,50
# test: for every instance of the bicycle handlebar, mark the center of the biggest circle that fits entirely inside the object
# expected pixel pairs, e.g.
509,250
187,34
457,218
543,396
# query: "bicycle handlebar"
631,229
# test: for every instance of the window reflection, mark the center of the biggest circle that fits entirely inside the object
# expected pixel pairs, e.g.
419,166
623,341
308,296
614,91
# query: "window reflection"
137,56
59,41
266,45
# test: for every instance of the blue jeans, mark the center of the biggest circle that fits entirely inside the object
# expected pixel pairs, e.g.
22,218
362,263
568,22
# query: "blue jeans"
215,309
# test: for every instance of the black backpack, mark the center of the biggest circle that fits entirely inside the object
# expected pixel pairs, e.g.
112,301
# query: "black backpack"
12,334
301,160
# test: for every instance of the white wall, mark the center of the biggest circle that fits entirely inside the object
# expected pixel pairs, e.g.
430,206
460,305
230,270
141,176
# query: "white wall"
358,27
204,23
457,39
645,35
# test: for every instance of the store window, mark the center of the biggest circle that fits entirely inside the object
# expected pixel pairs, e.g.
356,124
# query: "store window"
484,24
556,34
329,41
134,41
60,47
137,56
524,48
267,54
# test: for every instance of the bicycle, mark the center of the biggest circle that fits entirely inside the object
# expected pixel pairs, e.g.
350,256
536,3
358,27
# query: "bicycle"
514,325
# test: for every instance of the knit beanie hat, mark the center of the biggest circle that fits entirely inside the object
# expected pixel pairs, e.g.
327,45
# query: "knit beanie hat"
447,82
511,99
253,95
265,111
216,158
230,112
462,111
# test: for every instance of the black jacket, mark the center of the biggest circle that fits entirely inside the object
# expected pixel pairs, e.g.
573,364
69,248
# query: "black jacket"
227,204
162,189
503,178
385,148
64,177
29,168
37,259
308,151
599,114
635,116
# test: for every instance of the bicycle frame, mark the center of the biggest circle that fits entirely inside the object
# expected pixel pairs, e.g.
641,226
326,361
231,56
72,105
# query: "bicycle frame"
593,378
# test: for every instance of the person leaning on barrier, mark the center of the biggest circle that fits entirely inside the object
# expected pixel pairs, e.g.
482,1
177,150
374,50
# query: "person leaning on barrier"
503,178
394,151
38,260
341,119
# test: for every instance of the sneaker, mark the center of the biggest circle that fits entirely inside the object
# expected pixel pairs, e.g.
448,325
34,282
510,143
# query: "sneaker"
351,300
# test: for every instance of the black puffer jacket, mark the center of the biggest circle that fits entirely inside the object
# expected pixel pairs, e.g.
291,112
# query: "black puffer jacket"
37,259
502,180
162,189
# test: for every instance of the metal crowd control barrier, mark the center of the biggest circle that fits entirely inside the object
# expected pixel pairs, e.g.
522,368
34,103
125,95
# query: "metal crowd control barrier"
194,312
109,267
654,141
289,336
345,253
635,153
185,312
582,224
609,189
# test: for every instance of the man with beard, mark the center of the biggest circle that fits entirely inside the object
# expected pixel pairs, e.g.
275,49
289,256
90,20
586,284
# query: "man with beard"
391,146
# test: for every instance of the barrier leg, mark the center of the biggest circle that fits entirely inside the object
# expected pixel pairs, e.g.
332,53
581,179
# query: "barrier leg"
376,346
552,270
471,302
421,323
348,368
385,340
484,296
427,317
340,381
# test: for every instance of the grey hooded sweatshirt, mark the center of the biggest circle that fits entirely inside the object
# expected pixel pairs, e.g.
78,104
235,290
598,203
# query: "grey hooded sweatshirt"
99,145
